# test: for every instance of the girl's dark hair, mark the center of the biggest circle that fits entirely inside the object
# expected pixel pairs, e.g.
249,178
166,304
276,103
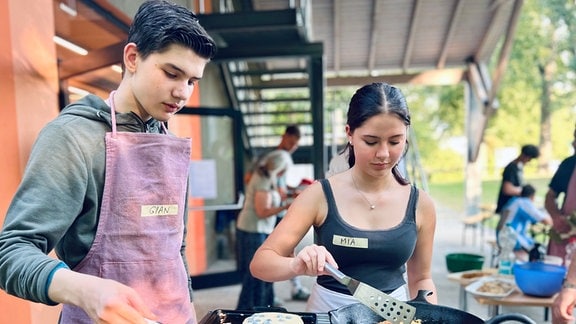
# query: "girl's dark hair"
159,24
375,99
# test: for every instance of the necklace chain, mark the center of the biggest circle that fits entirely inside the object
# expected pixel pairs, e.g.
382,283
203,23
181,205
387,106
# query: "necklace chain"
371,205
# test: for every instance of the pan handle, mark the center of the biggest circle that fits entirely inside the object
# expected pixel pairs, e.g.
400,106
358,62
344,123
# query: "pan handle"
501,318
337,274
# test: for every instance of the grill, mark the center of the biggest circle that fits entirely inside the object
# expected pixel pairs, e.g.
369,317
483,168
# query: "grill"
221,316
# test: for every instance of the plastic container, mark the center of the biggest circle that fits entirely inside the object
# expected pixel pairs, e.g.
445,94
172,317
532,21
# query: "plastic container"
538,278
506,258
457,262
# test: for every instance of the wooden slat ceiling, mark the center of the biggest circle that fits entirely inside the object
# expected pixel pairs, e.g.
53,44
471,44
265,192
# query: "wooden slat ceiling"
424,41
400,39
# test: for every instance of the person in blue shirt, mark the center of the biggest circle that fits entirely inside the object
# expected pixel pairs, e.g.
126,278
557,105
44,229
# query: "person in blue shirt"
521,213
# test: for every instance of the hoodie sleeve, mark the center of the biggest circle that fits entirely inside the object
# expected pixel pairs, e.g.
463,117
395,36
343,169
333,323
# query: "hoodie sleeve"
47,202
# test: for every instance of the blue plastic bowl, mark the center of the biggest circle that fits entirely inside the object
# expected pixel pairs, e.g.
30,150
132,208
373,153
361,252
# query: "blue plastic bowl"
539,279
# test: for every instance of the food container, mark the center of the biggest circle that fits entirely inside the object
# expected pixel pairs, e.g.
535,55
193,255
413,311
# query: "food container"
456,262
492,286
538,278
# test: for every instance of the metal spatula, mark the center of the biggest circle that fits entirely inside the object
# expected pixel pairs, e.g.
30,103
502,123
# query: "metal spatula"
391,309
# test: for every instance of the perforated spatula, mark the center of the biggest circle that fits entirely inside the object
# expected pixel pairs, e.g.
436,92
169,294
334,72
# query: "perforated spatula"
391,309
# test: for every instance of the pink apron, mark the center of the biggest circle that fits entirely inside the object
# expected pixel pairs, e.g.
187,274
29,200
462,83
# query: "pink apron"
569,206
141,225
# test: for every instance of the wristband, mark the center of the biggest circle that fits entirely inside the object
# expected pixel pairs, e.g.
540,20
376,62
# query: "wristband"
567,284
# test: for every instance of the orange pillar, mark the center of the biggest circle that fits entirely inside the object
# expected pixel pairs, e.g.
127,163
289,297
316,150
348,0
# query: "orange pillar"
29,87
190,126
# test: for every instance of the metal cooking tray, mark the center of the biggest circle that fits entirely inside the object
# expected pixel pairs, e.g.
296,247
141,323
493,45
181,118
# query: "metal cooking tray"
220,316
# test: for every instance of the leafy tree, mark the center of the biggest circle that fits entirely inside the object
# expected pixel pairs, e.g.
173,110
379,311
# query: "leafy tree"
539,80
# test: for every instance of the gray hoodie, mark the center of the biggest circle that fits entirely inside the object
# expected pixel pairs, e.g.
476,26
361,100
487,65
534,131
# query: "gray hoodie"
58,201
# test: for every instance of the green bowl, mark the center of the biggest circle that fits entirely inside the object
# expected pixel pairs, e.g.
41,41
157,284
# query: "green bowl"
456,262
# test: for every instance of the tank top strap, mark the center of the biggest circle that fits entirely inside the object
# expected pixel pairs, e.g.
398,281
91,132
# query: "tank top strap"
412,203
328,194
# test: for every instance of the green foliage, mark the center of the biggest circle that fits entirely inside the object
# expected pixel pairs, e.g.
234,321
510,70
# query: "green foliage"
336,103
542,58
437,118
451,103
542,61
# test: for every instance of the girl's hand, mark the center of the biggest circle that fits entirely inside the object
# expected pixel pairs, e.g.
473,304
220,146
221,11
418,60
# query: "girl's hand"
311,260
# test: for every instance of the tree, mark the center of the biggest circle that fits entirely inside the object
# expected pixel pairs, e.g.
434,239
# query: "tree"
539,80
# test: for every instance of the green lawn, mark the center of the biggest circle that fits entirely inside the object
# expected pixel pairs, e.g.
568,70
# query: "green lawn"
452,194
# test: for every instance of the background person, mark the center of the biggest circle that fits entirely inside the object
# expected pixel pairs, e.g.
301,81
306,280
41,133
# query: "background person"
563,181
289,143
513,179
255,222
339,163
87,193
521,214
370,206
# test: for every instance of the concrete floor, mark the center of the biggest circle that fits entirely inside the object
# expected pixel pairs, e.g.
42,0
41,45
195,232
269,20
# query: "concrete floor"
448,239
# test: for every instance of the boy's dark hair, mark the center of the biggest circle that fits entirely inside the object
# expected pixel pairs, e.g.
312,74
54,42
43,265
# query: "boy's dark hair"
531,151
159,24
292,130
527,191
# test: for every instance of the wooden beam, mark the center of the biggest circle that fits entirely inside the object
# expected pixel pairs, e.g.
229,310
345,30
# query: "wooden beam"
374,33
441,63
505,52
432,77
336,36
408,50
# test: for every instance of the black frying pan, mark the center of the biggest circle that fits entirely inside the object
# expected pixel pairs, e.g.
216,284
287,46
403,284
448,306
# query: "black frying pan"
428,313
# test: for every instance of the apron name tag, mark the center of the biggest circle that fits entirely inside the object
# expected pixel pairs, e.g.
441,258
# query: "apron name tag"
353,242
158,210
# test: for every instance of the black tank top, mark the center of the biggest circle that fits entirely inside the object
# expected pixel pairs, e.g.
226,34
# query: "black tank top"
376,257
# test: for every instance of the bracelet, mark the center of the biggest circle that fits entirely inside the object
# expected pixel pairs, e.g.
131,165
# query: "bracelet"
566,284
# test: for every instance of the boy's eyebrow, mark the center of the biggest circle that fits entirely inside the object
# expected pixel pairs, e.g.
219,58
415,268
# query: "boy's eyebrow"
175,67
